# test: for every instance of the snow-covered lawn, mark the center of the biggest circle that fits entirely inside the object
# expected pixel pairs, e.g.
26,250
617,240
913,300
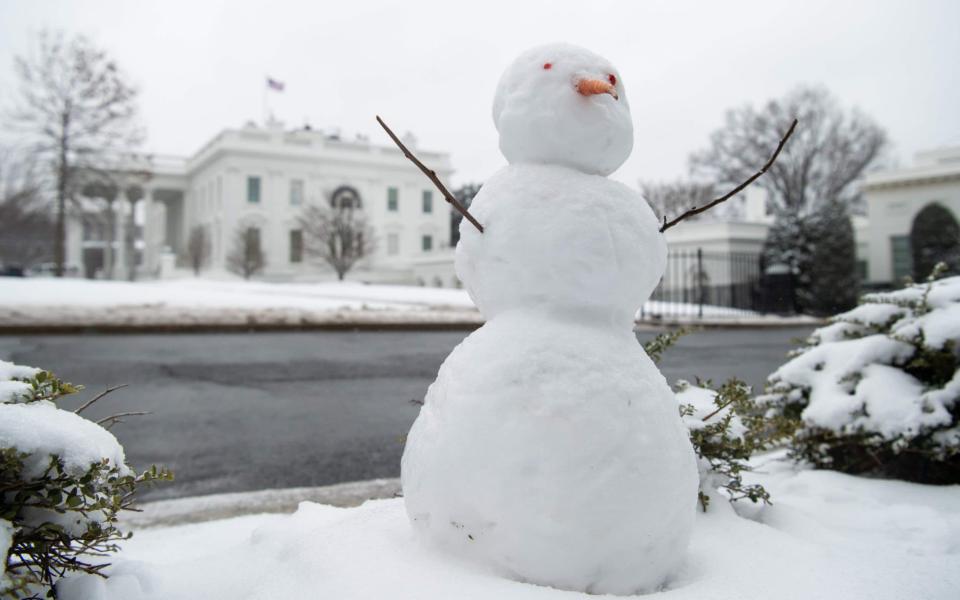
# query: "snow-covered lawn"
210,302
83,302
826,536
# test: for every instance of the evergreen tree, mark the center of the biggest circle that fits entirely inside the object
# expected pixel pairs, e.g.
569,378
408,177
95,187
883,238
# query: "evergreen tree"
464,195
831,270
788,243
934,238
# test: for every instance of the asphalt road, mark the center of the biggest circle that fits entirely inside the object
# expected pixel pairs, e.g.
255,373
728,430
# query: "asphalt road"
237,412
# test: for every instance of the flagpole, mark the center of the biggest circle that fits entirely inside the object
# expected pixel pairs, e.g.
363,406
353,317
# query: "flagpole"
265,91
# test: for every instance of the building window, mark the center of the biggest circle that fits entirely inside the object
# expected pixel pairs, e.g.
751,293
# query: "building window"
902,259
393,244
296,245
253,234
253,190
393,199
344,198
427,201
296,192
862,269
426,243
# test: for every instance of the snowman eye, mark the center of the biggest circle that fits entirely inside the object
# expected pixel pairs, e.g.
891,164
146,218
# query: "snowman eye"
547,66
612,79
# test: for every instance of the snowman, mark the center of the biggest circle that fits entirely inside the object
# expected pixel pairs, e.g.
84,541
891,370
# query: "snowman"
550,448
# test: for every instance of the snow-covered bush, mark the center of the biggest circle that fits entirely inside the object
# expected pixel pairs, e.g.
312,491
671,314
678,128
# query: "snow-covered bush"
63,481
726,429
878,389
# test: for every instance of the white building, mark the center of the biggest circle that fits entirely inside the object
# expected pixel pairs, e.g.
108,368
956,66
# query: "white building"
895,198
730,249
261,178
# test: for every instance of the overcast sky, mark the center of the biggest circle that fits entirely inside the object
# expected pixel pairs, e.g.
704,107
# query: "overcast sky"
431,67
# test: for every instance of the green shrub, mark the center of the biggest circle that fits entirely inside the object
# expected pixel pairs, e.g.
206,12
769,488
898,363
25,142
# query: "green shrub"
59,509
726,428
878,390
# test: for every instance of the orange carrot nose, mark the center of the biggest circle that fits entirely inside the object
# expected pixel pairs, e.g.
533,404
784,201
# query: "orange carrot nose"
590,87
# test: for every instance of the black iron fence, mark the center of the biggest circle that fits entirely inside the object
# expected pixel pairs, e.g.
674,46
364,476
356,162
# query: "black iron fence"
719,285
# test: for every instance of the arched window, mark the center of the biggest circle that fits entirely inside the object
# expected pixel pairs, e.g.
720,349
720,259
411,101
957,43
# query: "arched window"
345,197
934,238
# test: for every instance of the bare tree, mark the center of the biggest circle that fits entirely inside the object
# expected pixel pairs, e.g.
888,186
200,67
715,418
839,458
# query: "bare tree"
77,113
198,248
817,172
246,254
829,152
668,199
26,227
339,237
105,194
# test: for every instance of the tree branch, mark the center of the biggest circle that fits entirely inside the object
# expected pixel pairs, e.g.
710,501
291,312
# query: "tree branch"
432,176
90,402
695,211
717,411
108,422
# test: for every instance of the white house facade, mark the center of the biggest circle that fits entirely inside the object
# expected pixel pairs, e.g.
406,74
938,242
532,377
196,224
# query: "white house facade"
261,179
729,251
894,199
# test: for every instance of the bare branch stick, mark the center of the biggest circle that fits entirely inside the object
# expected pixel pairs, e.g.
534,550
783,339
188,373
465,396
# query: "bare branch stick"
432,176
90,402
695,211
719,408
108,422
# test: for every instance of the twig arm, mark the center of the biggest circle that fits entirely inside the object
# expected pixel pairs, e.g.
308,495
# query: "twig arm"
432,176
695,210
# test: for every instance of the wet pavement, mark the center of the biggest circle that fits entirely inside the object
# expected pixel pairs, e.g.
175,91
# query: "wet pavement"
236,412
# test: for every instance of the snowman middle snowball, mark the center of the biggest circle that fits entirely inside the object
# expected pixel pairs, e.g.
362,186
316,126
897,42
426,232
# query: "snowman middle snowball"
550,447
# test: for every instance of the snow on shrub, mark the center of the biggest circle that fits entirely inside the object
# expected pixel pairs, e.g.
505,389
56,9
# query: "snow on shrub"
726,429
63,480
877,390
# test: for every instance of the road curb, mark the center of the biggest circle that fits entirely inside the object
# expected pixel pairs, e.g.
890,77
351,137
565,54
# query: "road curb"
198,509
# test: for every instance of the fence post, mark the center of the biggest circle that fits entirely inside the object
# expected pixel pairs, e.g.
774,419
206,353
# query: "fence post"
699,283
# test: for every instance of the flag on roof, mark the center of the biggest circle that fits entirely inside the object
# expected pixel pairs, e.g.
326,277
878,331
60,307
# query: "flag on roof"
273,84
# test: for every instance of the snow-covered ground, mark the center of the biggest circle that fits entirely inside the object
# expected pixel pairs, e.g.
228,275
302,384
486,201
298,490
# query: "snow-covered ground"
82,302
826,536
41,302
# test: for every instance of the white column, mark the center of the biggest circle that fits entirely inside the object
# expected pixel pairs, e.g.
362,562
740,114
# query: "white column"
108,253
120,239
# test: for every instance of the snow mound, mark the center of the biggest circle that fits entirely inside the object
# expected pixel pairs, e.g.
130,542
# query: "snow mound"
828,536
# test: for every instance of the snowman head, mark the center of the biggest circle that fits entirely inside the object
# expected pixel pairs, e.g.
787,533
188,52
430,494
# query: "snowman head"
564,105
